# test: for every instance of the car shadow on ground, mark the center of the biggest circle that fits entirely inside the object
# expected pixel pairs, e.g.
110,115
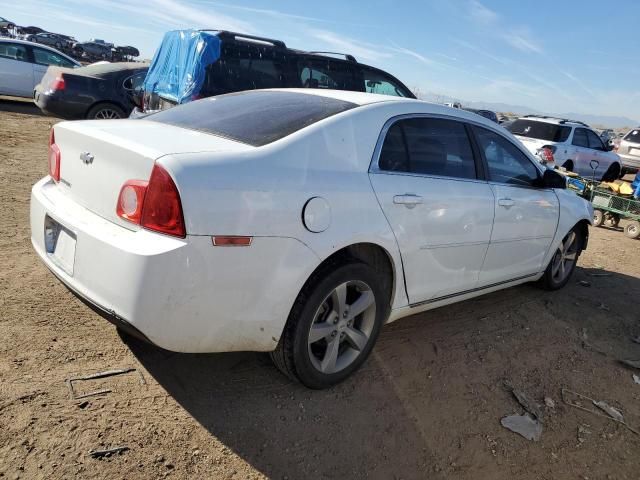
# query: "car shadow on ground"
424,400
19,105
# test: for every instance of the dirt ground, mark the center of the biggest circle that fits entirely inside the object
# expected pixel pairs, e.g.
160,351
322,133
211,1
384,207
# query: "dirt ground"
427,404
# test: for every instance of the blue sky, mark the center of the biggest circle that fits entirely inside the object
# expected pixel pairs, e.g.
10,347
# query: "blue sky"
555,56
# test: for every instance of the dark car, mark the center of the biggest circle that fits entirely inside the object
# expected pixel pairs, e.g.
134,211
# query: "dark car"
30,30
93,50
59,42
484,113
102,91
229,62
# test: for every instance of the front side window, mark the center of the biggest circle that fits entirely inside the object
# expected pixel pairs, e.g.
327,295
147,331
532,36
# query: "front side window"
377,82
506,163
580,138
47,57
13,51
134,82
594,141
428,146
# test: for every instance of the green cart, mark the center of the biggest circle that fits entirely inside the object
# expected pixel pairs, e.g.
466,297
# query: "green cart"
609,208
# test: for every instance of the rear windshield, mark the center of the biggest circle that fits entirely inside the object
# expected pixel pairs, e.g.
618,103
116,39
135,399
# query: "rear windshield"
633,136
255,118
540,130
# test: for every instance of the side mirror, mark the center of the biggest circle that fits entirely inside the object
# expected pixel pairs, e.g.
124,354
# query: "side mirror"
552,179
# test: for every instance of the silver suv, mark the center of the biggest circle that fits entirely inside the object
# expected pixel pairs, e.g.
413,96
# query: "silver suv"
629,151
570,144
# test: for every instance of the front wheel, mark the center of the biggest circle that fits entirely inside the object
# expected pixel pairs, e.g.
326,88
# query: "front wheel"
105,111
333,325
613,173
632,230
564,261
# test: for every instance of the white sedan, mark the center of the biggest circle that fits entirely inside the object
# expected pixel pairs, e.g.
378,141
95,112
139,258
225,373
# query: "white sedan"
297,221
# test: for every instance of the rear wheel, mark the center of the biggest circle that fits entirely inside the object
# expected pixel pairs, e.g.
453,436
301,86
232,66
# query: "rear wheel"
598,218
611,220
632,230
333,325
613,173
105,111
564,261
568,165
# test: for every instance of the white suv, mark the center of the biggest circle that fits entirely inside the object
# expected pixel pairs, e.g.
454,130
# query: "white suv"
567,143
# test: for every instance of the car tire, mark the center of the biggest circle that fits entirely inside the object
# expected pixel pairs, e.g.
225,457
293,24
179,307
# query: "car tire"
632,229
598,218
612,173
568,165
564,261
105,111
612,220
322,343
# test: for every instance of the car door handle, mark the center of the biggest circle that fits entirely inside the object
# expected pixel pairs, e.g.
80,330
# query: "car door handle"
409,200
506,202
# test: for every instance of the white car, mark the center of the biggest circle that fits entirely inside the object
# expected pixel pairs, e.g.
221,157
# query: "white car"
297,221
23,64
568,143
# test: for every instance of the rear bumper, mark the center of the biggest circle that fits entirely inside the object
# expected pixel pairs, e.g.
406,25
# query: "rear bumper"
629,162
183,295
59,106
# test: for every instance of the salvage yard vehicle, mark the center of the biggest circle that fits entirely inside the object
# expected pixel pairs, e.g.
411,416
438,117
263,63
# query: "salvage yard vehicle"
92,50
52,39
297,221
8,24
193,64
23,64
567,143
101,91
629,151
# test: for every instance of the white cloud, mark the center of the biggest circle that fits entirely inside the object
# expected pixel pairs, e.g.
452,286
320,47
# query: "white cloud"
343,44
481,14
411,53
522,39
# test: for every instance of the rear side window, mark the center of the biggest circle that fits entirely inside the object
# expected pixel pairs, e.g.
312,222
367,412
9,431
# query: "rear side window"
378,82
255,117
633,136
428,146
326,74
580,138
541,130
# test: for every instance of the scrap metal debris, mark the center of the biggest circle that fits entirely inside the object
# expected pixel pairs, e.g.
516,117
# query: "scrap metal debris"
611,413
636,379
108,452
524,425
99,375
528,403
584,283
548,401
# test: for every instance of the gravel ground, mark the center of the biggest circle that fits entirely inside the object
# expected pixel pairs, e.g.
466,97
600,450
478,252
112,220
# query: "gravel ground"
427,404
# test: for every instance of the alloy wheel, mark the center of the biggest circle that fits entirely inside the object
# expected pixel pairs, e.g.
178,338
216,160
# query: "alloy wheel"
342,327
106,114
565,257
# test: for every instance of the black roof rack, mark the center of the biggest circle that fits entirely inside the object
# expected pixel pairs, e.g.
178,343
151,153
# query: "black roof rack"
347,56
562,121
243,36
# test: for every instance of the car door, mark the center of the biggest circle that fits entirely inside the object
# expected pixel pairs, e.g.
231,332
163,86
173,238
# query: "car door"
16,70
599,153
583,154
431,189
526,215
43,58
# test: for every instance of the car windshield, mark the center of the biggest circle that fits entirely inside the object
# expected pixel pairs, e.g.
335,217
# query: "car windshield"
256,117
633,136
540,130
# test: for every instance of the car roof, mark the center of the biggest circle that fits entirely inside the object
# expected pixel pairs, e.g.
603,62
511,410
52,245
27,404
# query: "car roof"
39,45
555,120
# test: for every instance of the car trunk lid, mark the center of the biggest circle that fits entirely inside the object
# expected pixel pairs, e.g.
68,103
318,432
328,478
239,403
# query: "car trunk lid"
98,157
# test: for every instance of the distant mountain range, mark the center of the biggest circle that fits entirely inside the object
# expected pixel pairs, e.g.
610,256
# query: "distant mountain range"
600,121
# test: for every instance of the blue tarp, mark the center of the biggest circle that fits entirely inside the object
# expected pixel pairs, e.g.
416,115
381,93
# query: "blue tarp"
177,71
636,186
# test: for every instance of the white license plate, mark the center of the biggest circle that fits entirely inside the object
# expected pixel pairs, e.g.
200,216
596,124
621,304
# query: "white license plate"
60,244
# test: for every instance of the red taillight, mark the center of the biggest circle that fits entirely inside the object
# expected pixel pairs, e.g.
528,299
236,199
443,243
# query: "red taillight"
131,200
57,83
546,153
54,158
155,204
